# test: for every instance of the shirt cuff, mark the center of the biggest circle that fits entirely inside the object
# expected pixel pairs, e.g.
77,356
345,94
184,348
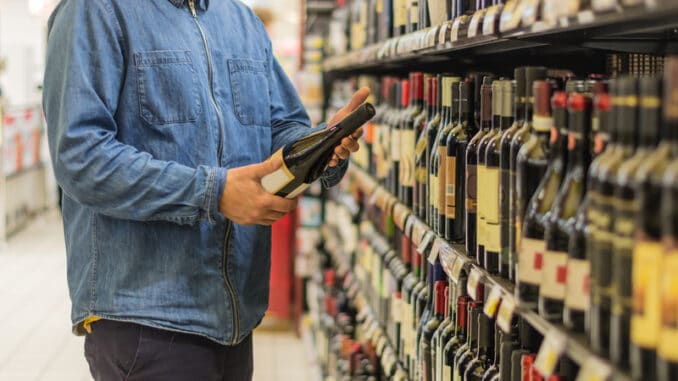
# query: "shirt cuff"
216,182
333,175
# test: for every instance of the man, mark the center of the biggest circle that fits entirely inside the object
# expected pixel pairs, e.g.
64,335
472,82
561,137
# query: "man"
161,115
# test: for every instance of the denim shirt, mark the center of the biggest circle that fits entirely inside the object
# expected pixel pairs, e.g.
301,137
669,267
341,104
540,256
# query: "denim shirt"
147,108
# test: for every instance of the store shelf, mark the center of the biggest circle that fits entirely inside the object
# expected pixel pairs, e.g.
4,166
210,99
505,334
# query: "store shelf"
647,29
455,259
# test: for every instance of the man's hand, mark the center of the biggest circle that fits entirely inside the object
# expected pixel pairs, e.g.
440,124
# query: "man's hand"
245,202
350,143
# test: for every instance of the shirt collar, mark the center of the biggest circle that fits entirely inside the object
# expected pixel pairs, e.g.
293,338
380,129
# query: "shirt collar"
200,4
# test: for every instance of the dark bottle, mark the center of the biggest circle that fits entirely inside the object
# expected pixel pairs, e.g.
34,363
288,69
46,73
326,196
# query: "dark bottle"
410,285
484,352
431,134
528,344
408,139
444,331
466,352
452,346
577,295
425,349
561,219
418,297
449,330
601,243
667,361
505,167
399,17
532,244
648,252
451,117
489,122
625,217
455,193
305,160
434,160
425,310
493,369
472,175
395,124
502,101
519,138
420,123
387,129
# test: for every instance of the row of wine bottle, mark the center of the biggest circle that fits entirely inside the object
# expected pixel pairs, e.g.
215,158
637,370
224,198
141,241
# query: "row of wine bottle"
564,186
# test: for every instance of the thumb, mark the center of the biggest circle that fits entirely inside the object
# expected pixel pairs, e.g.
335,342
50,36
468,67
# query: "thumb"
358,98
271,165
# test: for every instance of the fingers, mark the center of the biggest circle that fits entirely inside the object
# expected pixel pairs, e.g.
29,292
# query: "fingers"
282,205
359,97
357,133
269,166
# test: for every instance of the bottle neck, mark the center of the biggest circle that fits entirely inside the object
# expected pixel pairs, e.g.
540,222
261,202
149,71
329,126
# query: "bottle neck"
559,136
650,108
519,110
626,120
472,338
461,315
485,337
578,153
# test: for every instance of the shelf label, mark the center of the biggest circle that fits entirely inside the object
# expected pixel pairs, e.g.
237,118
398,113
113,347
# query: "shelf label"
490,19
409,230
505,313
594,369
473,283
375,196
456,269
586,17
400,214
428,238
474,25
435,250
551,348
454,35
447,259
493,301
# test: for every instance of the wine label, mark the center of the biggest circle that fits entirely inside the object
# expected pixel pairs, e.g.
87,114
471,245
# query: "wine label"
471,188
481,189
447,373
395,145
454,34
554,275
578,284
433,190
646,278
407,139
669,308
300,189
275,181
492,227
530,260
442,181
414,12
451,186
399,13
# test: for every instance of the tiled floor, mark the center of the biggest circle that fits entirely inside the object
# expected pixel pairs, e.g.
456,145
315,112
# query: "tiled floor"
35,338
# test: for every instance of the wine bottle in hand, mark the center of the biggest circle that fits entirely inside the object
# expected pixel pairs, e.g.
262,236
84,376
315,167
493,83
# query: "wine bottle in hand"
306,159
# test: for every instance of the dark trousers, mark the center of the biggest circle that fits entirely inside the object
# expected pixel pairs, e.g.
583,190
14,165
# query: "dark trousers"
125,351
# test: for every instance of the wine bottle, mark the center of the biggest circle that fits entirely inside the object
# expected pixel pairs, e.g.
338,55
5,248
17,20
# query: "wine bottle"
502,104
489,123
420,181
441,153
626,210
466,352
306,159
431,134
561,218
667,362
443,332
534,168
519,138
425,313
408,138
472,180
457,142
453,345
648,251
577,297
484,352
505,167
492,369
429,329
407,106
395,122
601,244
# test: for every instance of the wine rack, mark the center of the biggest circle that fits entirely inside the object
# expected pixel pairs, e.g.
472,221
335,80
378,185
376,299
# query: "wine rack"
498,292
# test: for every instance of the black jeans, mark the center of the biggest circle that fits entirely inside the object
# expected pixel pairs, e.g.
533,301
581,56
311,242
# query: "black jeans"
126,351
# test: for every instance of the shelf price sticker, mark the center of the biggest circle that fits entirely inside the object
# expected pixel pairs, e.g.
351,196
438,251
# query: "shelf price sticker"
474,25
447,259
375,195
409,228
457,268
550,351
505,313
594,369
435,250
489,22
473,283
400,214
493,302
423,245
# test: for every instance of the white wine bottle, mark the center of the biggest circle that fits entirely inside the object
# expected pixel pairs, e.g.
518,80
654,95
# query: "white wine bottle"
306,159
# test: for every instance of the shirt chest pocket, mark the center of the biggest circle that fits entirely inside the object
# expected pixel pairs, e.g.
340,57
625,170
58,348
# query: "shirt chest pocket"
249,90
168,87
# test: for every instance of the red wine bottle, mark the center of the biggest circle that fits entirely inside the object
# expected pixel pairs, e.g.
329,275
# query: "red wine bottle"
306,159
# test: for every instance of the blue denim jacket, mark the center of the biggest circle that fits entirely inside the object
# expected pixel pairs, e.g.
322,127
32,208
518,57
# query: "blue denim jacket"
147,108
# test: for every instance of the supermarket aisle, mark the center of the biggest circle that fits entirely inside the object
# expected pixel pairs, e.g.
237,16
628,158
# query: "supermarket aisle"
35,338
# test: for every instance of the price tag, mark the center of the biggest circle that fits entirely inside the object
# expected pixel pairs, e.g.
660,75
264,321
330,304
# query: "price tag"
473,283
454,35
409,231
507,15
456,269
442,33
475,22
447,259
493,301
432,35
594,369
551,348
375,196
490,19
428,238
435,249
505,313
417,231
586,17
400,213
